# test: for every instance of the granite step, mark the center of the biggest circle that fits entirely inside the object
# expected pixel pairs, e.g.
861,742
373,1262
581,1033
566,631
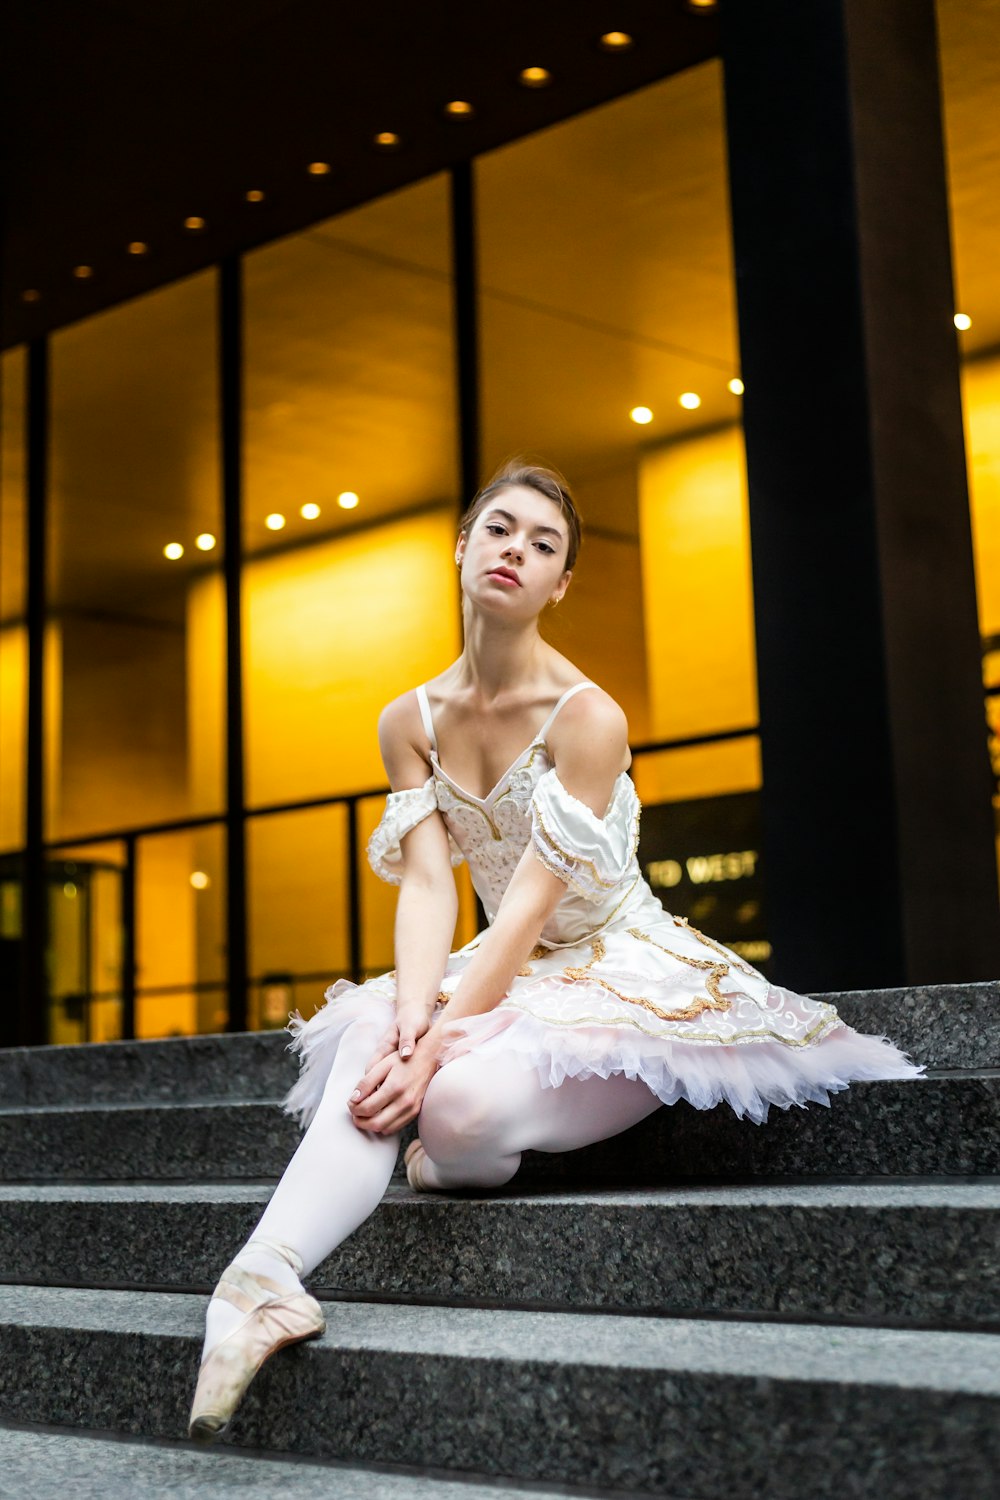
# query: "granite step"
49,1464
942,1026
940,1126
894,1254
680,1407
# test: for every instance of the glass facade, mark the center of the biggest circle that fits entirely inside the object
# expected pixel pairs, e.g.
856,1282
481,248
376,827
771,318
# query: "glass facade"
618,365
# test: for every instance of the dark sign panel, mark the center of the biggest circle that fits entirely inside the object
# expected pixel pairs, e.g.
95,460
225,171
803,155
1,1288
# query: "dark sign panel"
702,860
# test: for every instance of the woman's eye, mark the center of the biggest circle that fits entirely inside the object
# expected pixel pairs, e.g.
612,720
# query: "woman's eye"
493,526
546,548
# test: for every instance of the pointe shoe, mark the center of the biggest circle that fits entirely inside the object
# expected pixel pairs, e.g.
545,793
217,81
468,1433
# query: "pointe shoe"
412,1157
274,1317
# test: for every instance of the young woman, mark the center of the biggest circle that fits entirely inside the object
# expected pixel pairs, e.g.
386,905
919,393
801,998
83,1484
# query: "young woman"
582,1007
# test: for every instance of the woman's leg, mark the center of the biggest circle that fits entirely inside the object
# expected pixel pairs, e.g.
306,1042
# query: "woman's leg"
478,1116
333,1182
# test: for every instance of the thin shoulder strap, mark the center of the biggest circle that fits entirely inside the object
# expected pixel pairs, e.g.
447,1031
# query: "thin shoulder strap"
425,714
576,688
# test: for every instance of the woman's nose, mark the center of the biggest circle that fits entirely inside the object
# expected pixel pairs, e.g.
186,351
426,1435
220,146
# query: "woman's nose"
512,547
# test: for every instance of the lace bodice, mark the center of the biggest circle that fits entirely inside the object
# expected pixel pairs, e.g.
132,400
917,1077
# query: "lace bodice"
595,857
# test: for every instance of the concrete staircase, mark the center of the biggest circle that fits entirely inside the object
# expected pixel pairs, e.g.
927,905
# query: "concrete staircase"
698,1308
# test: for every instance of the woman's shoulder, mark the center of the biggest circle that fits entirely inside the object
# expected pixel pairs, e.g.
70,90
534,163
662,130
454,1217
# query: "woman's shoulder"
594,720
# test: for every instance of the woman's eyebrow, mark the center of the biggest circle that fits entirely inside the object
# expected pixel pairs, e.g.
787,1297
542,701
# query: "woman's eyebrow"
496,511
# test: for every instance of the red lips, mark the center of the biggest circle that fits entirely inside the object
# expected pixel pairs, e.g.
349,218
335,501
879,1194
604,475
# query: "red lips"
505,573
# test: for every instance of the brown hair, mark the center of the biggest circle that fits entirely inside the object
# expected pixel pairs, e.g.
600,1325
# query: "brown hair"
547,482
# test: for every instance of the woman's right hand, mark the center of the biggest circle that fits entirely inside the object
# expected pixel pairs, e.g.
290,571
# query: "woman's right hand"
402,1035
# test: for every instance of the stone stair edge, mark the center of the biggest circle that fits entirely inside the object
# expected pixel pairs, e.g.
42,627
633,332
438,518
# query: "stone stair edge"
919,1017
772,1252
786,1353
45,1463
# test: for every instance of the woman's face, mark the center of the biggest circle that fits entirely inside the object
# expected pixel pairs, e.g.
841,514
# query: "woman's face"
512,558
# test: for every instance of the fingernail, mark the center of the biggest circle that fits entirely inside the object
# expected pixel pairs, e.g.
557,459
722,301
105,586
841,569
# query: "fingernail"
405,1051
355,1095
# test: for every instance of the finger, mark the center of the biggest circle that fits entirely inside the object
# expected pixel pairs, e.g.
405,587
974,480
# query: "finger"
386,1048
375,1098
392,1118
372,1079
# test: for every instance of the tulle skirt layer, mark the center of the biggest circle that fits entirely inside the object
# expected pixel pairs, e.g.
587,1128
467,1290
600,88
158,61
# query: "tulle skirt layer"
656,1000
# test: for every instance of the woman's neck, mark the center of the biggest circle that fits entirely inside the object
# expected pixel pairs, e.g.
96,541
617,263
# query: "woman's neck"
497,658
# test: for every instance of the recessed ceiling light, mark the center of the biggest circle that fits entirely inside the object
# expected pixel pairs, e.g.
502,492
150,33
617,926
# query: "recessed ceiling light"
205,541
386,140
962,320
274,521
535,78
348,500
309,511
318,168
83,273
641,414
194,221
199,880
701,6
137,247
736,386
31,294
690,401
616,41
255,196
173,550
459,109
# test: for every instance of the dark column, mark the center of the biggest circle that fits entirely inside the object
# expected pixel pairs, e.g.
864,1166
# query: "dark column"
231,403
32,1027
878,831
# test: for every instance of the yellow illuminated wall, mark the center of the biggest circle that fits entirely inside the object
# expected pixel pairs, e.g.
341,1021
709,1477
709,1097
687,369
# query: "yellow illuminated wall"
698,603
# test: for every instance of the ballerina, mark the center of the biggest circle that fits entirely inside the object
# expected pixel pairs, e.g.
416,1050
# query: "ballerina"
583,1005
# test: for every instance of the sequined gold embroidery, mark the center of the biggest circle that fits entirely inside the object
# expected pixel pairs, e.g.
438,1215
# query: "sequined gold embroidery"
699,1004
826,1022
538,951
717,971
735,962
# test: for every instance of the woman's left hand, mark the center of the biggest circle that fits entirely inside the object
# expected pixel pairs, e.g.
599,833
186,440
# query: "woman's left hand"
390,1094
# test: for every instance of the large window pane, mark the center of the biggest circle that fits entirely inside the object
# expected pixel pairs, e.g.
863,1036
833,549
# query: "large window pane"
970,77
349,388
13,581
135,716
180,932
298,881
574,341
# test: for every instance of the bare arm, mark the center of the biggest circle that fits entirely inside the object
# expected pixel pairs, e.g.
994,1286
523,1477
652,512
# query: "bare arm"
427,907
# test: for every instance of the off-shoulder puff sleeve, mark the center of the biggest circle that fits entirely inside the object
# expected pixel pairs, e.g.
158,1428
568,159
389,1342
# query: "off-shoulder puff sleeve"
403,811
591,854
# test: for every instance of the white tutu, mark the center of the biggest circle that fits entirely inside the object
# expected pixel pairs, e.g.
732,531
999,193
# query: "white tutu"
616,984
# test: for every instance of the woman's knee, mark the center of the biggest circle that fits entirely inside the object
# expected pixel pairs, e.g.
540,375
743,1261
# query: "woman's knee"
457,1118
